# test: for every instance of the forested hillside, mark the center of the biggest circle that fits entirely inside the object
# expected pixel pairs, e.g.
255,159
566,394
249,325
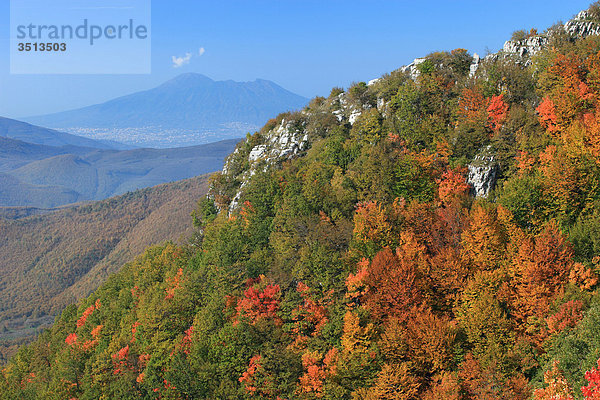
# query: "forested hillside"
49,260
432,235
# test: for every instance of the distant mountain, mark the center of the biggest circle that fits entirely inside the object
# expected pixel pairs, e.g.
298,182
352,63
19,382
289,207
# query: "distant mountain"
47,176
13,129
189,109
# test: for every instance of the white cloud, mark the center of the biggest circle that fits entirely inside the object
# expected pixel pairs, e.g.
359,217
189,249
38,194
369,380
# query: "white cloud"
181,61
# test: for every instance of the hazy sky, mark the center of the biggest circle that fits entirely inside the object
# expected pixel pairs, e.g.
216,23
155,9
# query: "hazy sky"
306,46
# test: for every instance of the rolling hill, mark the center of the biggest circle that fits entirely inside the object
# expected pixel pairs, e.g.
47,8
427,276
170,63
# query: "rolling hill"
48,176
15,153
13,191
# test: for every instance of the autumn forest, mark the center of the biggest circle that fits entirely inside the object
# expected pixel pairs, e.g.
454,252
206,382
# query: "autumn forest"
366,266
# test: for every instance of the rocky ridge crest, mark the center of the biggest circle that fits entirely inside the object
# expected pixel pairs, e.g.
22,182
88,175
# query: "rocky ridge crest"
290,137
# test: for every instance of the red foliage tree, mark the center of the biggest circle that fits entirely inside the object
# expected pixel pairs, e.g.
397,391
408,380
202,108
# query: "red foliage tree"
309,317
547,115
247,377
568,316
260,301
592,390
88,311
497,112
452,185
71,339
173,283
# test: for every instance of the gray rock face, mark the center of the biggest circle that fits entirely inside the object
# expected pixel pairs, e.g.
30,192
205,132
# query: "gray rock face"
287,139
382,106
482,173
412,68
527,47
282,142
474,65
581,26
348,111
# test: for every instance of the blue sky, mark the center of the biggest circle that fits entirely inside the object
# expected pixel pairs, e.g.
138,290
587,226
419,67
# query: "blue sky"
306,46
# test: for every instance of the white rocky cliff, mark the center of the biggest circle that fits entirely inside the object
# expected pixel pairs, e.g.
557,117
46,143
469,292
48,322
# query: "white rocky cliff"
581,26
482,173
284,141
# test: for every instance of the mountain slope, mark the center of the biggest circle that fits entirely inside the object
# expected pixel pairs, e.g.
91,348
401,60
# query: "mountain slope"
50,260
188,103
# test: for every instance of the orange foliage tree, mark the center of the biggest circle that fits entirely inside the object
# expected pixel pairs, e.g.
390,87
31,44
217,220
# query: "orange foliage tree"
489,382
394,382
317,368
247,377
483,242
445,386
393,286
472,105
558,387
571,110
542,267
425,339
373,228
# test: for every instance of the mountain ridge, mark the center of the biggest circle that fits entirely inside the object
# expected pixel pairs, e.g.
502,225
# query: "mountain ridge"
19,130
